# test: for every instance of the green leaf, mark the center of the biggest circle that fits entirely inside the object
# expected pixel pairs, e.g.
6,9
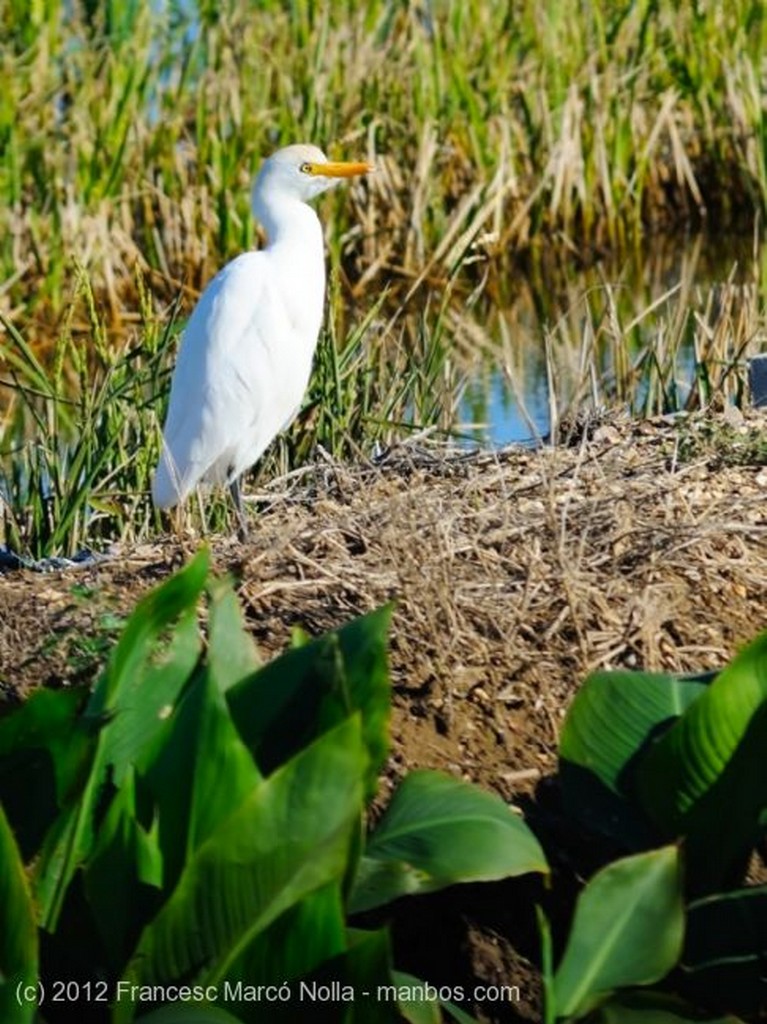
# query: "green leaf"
146,700
614,713
419,1001
705,775
25,363
289,838
188,1013
726,948
123,877
547,965
18,931
627,930
361,972
193,793
437,831
366,967
417,1011
303,938
317,982
653,1008
457,1014
232,655
608,725
42,755
153,613
119,697
310,689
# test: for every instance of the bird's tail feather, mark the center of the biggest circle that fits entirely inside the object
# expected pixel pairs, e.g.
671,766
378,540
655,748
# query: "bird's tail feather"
168,487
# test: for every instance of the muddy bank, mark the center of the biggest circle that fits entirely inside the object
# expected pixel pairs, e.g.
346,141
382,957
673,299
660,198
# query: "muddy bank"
635,544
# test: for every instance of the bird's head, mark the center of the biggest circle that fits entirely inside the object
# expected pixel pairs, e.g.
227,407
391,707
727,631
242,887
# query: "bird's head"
301,172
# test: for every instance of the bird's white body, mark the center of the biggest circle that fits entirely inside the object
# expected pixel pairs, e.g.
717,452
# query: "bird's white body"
246,355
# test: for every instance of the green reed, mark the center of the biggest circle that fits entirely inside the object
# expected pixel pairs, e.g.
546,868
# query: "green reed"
129,133
129,136
81,432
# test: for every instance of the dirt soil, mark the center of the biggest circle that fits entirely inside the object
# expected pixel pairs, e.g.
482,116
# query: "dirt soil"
639,544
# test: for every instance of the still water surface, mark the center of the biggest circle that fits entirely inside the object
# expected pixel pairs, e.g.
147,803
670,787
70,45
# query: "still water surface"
653,333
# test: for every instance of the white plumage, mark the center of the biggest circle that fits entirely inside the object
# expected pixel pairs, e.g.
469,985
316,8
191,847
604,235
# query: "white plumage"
247,351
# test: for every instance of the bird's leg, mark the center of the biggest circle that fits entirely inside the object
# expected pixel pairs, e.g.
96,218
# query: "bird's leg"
234,490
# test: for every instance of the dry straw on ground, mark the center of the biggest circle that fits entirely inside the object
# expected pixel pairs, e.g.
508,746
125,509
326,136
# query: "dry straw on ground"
638,544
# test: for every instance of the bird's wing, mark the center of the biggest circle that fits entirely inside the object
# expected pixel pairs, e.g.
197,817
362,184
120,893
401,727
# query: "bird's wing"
220,383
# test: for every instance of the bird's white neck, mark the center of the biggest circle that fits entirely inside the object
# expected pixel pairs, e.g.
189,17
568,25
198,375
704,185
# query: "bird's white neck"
284,217
295,244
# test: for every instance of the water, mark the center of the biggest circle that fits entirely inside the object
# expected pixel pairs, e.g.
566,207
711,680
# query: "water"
497,409
654,333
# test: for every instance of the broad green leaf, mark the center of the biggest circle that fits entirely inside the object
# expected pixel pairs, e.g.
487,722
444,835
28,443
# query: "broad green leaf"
627,930
42,754
457,1014
309,689
547,963
653,1008
608,725
347,986
728,926
194,792
296,944
355,981
189,1013
416,1011
145,701
123,877
56,866
289,838
153,613
299,637
437,831
18,932
232,654
69,841
726,948
705,776
419,1001
614,714
366,968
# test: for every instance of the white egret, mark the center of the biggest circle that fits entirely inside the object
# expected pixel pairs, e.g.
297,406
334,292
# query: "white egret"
247,350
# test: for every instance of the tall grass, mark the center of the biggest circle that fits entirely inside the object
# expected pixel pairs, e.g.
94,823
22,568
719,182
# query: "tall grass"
502,134
129,133
80,431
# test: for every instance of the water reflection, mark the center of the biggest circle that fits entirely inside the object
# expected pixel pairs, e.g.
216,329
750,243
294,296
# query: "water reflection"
662,330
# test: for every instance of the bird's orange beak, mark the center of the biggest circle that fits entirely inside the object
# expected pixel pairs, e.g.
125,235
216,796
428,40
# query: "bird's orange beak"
338,169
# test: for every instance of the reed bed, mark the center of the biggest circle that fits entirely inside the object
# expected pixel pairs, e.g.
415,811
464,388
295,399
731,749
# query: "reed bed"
82,428
129,133
512,145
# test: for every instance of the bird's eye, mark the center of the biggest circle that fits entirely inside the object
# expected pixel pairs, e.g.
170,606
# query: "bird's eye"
306,168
